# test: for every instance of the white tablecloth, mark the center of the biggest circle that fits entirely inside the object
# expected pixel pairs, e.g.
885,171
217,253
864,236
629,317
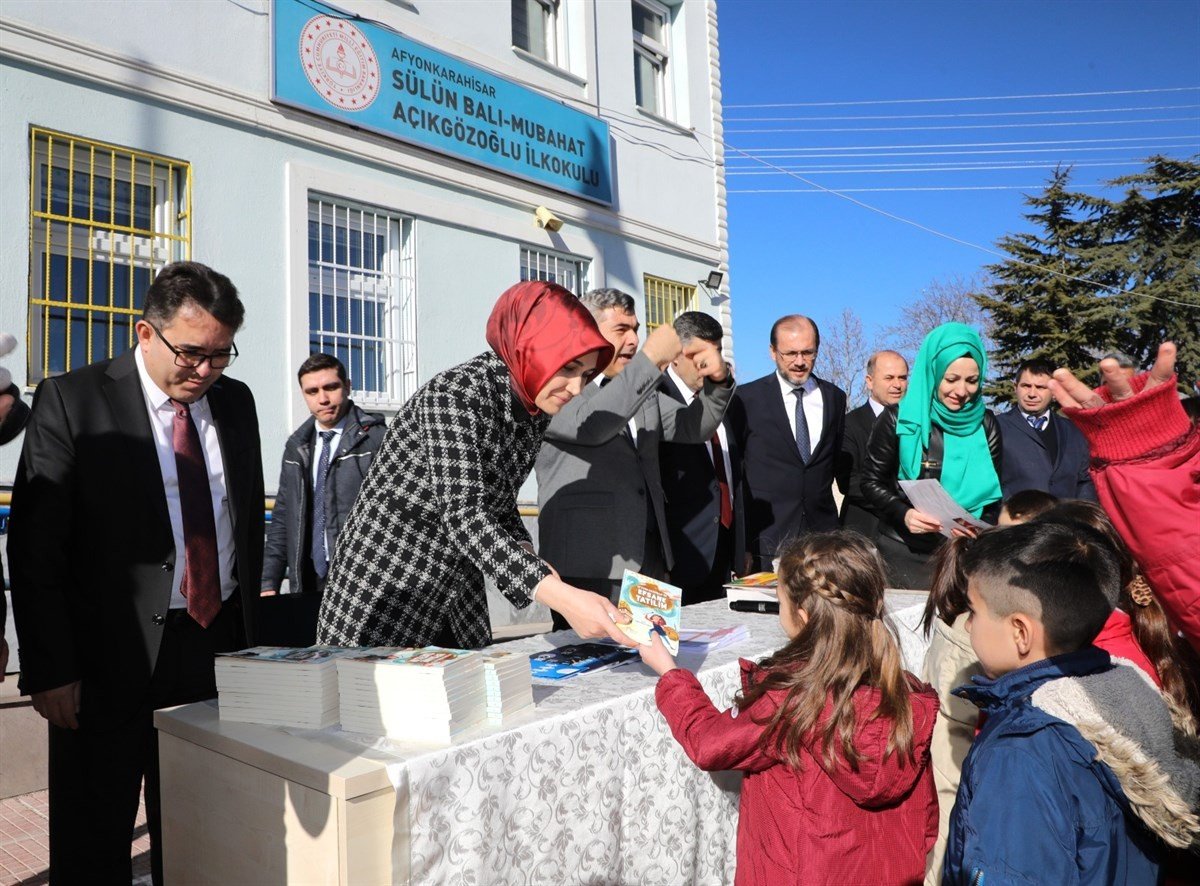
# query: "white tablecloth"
590,786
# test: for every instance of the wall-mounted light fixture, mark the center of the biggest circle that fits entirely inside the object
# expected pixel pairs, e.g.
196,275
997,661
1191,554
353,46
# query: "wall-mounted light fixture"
548,220
713,280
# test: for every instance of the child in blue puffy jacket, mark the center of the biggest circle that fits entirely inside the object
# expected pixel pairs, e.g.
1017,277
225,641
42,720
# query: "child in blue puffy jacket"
1079,774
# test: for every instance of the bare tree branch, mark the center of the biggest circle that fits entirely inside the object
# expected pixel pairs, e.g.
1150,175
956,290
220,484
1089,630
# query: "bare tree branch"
844,355
942,301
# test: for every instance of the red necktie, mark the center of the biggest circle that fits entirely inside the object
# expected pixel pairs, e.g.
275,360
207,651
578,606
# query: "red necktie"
722,481
201,583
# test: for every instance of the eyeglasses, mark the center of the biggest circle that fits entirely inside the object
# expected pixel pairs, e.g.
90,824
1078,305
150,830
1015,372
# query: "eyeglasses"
792,355
192,359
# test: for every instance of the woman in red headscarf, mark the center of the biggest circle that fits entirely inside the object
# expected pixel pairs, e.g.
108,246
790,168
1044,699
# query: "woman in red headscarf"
437,513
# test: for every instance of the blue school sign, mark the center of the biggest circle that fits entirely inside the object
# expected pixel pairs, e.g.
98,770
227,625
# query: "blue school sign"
342,67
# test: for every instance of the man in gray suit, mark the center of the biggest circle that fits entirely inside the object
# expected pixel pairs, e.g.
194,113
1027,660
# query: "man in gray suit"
600,492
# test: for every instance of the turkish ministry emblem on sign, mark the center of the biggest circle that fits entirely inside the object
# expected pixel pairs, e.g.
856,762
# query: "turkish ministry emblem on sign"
339,62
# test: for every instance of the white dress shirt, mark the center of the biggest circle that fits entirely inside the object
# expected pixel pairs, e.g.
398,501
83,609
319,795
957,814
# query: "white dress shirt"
162,418
688,396
814,407
876,407
334,442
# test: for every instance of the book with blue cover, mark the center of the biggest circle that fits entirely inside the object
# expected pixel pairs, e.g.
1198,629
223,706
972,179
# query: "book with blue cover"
578,658
653,606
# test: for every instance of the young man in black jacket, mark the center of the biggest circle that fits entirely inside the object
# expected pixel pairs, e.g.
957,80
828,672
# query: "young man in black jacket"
324,463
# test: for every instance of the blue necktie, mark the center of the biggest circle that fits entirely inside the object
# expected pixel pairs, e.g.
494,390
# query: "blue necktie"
1037,422
802,441
320,561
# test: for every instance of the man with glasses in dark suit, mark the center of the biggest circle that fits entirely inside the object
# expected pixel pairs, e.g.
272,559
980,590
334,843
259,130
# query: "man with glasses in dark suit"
789,426
135,548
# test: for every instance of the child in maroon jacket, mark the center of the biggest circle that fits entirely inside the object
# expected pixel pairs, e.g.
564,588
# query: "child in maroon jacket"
832,734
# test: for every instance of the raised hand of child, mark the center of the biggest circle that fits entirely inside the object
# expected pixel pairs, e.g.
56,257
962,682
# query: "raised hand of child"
1073,393
655,654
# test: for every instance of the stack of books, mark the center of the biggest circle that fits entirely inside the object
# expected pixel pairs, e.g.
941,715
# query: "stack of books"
509,686
754,593
422,695
279,686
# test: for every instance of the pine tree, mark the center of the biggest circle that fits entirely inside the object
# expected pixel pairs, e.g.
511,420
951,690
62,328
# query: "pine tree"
1152,252
1040,302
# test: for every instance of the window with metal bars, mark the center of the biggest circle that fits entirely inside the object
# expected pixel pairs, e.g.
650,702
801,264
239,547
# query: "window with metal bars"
553,267
102,220
362,299
666,300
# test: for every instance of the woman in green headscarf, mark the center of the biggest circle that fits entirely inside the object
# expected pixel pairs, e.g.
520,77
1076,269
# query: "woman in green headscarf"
942,431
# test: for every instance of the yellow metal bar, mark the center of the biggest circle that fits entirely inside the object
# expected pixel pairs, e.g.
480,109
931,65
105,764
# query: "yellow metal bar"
104,226
46,277
99,309
32,204
132,216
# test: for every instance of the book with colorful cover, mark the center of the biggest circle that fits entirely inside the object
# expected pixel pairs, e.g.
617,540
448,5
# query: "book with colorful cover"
578,658
654,607
755,580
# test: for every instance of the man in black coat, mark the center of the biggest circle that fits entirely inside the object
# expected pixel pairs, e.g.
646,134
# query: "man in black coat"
1042,450
701,481
789,425
135,547
329,453
887,380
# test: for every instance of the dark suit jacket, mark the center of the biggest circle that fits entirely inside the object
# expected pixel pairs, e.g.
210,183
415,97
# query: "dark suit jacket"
1027,462
693,502
91,548
596,490
784,497
856,513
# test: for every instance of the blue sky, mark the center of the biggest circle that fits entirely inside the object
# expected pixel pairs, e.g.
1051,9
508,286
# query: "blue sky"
875,66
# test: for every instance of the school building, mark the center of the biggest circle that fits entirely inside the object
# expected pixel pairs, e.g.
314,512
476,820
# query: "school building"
370,175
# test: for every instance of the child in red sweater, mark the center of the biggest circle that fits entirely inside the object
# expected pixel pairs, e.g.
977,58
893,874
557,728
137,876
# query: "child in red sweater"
831,733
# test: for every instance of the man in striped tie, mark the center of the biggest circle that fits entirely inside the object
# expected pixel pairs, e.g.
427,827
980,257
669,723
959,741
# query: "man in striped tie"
135,548
1042,450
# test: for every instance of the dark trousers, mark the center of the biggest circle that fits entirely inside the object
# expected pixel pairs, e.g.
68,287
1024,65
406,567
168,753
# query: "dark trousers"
96,773
712,586
907,567
290,619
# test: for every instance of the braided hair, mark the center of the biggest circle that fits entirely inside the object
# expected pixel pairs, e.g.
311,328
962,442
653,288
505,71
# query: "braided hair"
837,580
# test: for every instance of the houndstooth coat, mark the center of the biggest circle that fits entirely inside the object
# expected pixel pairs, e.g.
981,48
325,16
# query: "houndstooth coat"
436,513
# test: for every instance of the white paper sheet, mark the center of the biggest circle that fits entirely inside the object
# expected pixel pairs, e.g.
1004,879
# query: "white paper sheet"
930,497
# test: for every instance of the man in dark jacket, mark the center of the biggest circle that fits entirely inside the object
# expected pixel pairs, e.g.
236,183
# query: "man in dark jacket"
1042,450
789,427
887,381
701,482
135,539
324,463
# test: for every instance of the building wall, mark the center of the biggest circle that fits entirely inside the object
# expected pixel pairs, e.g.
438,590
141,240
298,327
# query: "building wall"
190,80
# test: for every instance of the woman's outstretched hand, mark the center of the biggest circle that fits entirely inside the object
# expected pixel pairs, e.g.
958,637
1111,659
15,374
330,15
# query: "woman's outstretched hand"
590,615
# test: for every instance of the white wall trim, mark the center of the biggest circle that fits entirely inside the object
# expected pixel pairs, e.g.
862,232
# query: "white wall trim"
33,46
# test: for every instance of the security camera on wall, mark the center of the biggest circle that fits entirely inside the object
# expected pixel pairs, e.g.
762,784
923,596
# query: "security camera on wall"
547,220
